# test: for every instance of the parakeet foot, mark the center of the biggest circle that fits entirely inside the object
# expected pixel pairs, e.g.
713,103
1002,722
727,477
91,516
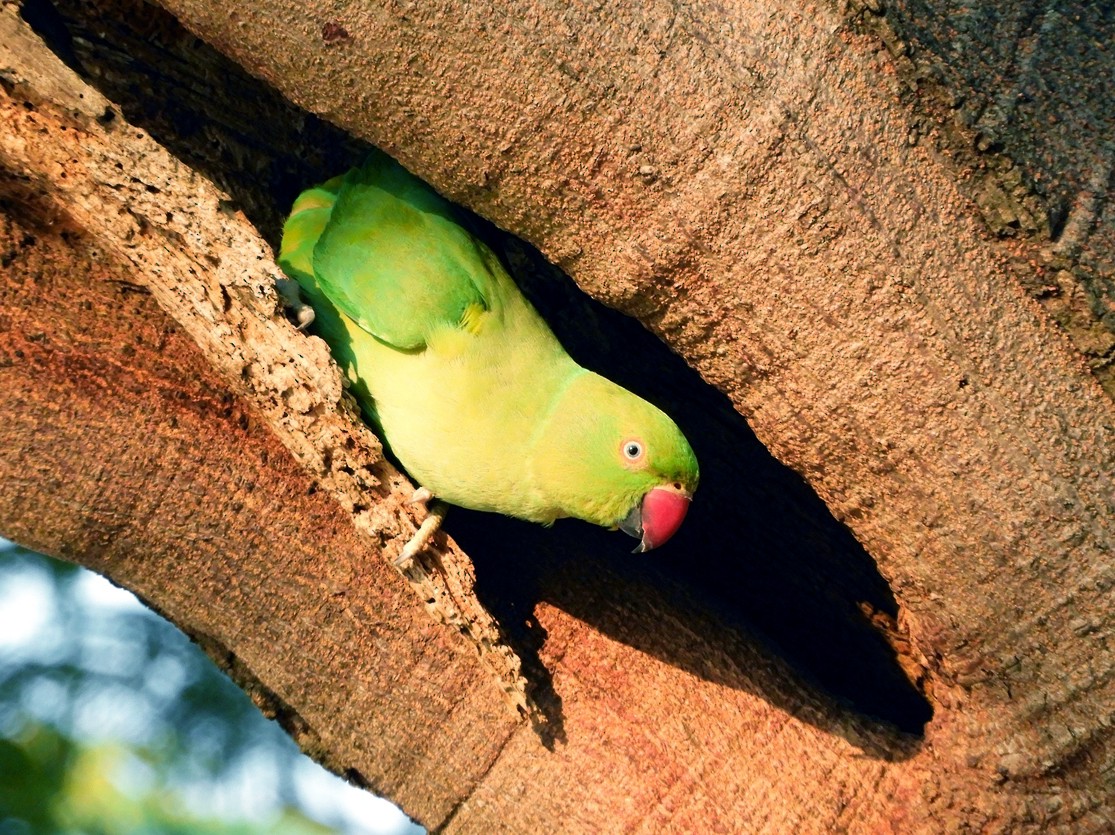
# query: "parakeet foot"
300,312
425,532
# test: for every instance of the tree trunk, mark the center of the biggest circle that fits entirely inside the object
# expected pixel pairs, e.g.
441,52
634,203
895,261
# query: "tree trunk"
795,210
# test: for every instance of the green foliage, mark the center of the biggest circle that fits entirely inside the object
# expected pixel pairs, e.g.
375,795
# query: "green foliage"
55,784
112,721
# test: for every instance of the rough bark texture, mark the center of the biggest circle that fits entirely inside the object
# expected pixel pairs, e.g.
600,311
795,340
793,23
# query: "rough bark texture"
1024,90
780,200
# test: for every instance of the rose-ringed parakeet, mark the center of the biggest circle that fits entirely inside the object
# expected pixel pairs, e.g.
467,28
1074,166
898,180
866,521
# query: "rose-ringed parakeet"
464,381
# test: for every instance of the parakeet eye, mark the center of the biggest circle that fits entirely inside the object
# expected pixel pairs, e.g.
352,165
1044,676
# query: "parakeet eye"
632,450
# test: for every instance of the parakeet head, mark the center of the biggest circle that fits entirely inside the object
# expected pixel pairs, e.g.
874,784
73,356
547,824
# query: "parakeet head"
611,458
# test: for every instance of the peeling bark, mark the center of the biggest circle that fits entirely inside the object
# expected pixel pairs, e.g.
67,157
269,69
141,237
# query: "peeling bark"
64,146
745,182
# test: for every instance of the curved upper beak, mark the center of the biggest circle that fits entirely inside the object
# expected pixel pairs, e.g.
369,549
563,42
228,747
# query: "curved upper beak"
656,518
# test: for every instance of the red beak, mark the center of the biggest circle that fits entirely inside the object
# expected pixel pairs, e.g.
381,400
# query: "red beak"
656,518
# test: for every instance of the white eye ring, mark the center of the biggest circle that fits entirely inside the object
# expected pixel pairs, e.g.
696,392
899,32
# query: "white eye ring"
632,450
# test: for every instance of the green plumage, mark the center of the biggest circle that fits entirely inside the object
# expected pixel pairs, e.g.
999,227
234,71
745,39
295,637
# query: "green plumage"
461,376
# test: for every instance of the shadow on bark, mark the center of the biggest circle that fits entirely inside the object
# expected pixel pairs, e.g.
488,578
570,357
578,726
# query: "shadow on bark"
760,577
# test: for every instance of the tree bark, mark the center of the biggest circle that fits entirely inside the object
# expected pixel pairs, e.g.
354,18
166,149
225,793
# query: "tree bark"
778,198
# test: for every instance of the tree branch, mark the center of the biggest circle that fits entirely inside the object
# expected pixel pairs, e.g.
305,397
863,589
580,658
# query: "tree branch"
747,186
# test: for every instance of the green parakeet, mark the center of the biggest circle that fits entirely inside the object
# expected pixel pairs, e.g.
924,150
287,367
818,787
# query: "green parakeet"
463,379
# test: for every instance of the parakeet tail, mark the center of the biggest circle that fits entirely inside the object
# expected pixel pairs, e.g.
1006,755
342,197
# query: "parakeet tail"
307,220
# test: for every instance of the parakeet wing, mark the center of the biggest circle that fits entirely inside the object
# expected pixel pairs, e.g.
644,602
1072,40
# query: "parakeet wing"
393,259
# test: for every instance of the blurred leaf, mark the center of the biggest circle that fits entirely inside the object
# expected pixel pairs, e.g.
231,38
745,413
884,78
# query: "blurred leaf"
112,721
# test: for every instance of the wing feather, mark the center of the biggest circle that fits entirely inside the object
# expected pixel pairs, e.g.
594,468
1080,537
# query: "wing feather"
393,259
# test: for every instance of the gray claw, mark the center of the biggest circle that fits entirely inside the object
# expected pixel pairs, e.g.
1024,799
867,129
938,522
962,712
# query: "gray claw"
301,312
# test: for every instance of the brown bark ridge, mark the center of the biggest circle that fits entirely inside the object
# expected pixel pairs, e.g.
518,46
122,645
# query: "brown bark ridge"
182,242
743,180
